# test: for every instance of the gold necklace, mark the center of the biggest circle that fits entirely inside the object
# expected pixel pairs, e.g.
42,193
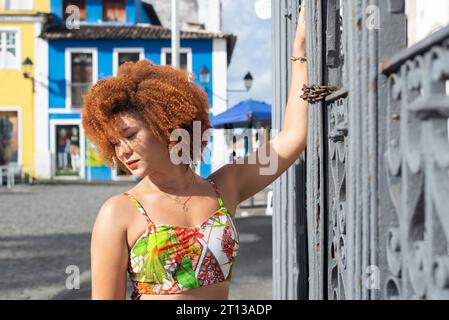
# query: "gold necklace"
178,200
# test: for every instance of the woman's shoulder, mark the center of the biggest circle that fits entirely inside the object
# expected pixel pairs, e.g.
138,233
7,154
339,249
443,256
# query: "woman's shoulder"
113,212
225,186
108,239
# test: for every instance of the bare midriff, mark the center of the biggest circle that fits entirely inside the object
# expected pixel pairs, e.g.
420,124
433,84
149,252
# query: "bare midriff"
218,291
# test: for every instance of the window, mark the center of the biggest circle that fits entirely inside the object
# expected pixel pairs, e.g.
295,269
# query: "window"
81,77
185,58
80,4
114,10
122,55
9,49
182,59
26,5
128,56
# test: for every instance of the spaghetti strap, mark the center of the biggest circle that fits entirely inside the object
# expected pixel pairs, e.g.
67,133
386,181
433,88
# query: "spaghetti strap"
139,206
219,198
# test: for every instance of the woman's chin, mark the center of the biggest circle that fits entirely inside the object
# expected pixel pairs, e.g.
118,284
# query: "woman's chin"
138,173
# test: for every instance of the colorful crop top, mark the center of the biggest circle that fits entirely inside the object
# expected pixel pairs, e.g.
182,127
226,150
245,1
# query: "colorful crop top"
170,259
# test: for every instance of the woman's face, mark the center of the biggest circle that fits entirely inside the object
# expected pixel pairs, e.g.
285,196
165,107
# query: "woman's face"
137,142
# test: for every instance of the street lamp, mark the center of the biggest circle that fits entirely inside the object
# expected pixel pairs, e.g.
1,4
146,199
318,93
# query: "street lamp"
204,75
27,65
205,78
248,80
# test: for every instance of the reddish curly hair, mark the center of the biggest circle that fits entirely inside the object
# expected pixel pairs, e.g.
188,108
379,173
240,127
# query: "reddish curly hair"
163,97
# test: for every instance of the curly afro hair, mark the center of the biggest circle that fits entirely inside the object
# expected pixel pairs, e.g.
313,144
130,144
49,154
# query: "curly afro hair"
163,97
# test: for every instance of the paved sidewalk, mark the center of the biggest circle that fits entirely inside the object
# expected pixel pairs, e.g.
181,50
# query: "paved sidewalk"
45,229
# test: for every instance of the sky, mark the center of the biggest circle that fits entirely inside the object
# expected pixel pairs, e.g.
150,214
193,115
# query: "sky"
252,51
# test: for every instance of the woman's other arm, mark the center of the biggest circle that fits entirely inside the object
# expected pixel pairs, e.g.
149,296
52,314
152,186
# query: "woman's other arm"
109,253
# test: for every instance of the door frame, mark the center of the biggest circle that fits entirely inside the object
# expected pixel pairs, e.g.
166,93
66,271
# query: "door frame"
77,122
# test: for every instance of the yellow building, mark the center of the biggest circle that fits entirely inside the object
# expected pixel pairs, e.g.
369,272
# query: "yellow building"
23,73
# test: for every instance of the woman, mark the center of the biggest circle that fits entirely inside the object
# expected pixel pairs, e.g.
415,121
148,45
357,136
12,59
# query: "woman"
166,231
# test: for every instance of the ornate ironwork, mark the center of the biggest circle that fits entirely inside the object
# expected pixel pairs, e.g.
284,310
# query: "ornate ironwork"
337,154
417,170
377,158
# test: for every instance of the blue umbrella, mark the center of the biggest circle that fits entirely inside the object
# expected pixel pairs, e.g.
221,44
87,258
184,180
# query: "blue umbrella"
247,113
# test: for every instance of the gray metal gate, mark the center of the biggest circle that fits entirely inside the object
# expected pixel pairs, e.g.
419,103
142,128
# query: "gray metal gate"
377,159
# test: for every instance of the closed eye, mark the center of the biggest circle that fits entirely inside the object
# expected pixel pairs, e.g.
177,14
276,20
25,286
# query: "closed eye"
131,136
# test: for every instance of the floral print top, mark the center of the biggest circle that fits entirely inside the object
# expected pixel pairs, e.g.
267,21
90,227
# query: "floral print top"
170,259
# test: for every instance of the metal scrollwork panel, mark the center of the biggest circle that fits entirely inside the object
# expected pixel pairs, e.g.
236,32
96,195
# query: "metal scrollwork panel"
336,158
436,132
417,156
337,120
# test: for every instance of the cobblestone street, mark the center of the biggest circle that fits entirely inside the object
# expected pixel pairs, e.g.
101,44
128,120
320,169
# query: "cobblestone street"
46,228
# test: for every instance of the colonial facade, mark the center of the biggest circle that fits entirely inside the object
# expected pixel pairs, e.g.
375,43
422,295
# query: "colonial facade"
89,44
21,76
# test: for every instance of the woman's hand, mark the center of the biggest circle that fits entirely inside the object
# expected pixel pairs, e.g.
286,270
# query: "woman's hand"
299,45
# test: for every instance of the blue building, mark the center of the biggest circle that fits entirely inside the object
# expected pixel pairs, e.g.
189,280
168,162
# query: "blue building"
110,33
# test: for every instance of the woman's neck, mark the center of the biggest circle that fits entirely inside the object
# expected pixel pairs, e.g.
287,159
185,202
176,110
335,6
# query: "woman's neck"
173,181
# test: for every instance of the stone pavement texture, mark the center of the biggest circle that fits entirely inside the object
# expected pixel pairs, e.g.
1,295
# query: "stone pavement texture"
44,229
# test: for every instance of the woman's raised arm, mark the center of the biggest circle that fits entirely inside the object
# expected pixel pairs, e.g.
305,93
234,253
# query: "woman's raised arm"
252,174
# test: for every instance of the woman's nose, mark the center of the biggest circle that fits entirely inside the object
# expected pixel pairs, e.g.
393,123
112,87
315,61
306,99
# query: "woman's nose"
124,150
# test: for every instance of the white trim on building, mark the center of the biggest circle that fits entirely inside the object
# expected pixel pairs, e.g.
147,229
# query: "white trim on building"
42,152
219,155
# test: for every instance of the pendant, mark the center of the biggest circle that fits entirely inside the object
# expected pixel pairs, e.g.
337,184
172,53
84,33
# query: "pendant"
184,208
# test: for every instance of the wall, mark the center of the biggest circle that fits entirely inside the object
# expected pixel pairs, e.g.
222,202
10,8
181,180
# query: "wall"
39,6
424,19
201,55
15,90
134,11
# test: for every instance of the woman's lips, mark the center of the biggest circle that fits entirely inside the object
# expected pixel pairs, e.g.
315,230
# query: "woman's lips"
132,164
